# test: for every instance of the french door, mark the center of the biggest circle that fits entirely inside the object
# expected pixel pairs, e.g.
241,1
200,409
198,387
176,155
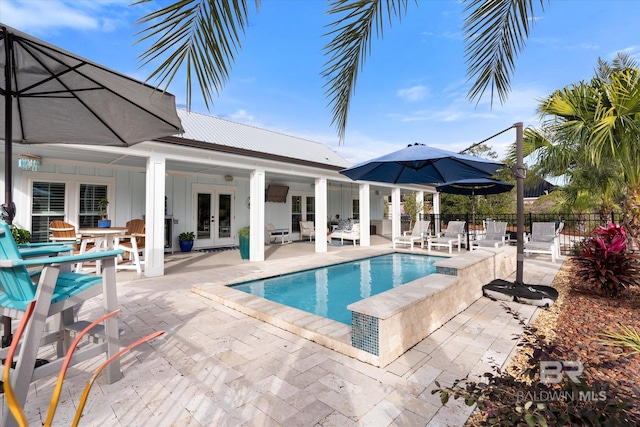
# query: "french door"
213,215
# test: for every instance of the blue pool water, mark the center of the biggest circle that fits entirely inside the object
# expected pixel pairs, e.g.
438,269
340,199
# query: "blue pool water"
327,291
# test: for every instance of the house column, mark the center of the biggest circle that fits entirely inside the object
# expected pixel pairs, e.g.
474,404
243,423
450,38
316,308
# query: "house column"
420,204
256,215
436,212
321,214
395,213
365,214
154,216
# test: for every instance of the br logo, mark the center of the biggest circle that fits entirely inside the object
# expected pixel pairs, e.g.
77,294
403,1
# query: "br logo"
552,372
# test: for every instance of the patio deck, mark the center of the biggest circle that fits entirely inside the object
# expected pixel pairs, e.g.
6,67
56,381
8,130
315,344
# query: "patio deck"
217,366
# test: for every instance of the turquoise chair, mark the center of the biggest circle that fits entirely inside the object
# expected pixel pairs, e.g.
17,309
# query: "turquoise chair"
56,292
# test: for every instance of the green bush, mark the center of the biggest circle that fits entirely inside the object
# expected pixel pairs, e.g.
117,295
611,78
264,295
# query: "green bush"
244,231
20,235
187,236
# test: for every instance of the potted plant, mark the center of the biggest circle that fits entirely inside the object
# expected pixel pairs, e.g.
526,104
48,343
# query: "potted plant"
20,235
186,239
243,235
102,210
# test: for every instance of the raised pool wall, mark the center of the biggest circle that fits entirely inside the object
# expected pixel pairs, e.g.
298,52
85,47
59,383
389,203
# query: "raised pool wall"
388,324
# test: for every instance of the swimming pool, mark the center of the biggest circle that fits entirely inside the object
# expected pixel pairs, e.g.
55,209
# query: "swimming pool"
327,291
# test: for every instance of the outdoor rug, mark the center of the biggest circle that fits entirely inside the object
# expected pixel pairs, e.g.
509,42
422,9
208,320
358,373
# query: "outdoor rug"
214,250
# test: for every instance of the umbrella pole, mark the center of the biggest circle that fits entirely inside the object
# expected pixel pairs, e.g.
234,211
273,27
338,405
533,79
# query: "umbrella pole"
520,175
8,157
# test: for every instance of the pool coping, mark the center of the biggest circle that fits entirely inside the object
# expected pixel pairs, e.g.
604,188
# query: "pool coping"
336,335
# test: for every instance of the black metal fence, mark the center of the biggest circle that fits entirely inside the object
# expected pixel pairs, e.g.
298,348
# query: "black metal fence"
576,226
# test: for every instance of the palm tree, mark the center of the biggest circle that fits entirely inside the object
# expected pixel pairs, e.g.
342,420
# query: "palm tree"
592,132
203,37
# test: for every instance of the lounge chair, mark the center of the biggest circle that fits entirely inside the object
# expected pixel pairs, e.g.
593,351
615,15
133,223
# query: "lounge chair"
496,236
347,231
418,234
307,229
543,240
453,235
56,293
278,233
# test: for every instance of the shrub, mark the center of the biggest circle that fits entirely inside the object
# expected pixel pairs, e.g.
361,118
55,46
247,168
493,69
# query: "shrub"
20,235
187,236
244,231
605,261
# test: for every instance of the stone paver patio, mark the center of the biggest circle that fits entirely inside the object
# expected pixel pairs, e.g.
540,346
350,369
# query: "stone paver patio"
218,367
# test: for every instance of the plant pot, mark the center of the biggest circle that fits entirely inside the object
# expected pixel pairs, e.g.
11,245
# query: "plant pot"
186,245
104,223
244,247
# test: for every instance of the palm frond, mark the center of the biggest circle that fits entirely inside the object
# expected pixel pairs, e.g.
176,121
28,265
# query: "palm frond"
495,33
350,46
201,36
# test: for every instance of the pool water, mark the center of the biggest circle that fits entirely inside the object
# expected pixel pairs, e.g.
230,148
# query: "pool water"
329,290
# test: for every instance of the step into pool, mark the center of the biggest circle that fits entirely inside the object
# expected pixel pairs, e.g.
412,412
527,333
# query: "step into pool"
327,291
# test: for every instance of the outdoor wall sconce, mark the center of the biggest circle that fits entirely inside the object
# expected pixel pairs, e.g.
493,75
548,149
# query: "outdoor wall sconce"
29,162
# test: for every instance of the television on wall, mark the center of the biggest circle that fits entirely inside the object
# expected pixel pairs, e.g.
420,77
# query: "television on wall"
277,193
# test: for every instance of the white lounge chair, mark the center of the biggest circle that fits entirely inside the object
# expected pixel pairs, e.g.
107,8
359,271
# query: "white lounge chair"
496,236
543,240
418,234
453,235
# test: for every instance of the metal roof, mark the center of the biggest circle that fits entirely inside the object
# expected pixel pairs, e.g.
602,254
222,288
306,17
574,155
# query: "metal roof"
210,129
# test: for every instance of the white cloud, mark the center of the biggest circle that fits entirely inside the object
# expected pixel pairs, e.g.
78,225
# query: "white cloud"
414,93
240,116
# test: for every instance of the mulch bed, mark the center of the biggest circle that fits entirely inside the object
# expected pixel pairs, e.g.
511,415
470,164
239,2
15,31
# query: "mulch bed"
584,316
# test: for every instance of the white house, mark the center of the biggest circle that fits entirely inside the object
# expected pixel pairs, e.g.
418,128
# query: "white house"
213,179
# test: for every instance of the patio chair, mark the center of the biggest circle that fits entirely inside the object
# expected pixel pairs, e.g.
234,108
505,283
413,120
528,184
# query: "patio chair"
64,233
275,233
307,229
418,234
56,293
542,240
453,235
495,236
133,244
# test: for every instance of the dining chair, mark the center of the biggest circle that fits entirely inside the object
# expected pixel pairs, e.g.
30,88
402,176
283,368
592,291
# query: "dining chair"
65,233
133,244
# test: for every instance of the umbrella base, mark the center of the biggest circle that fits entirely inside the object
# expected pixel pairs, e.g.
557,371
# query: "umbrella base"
538,295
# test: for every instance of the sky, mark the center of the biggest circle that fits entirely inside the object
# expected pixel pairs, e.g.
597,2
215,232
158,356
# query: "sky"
412,88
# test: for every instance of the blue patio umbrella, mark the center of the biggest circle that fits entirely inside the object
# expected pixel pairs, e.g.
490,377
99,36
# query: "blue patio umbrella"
421,164
475,187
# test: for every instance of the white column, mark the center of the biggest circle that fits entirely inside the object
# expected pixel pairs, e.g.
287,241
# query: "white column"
154,216
321,214
256,215
395,213
365,214
420,200
436,212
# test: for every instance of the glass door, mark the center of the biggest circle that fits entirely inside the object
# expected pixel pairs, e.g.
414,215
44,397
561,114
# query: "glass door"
213,216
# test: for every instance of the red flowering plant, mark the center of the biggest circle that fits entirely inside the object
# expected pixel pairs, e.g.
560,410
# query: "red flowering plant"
604,260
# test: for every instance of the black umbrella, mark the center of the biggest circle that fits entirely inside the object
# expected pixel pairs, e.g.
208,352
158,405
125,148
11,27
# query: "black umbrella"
475,187
54,96
421,164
